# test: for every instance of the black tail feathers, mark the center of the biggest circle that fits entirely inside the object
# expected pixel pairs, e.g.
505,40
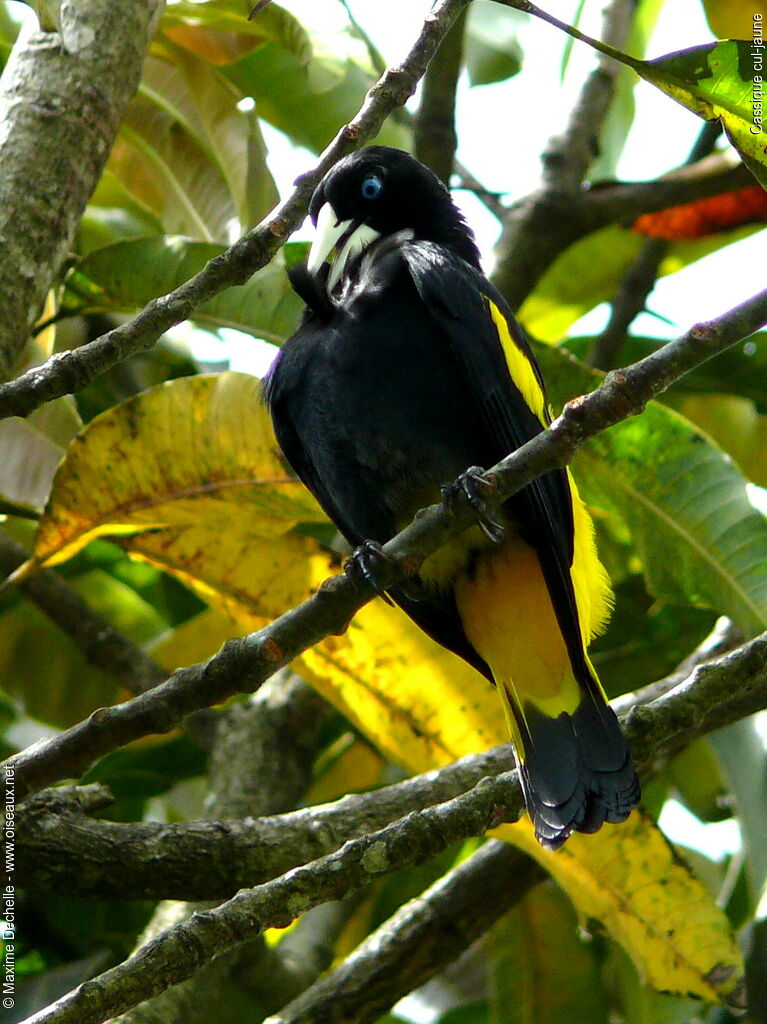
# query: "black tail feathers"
577,771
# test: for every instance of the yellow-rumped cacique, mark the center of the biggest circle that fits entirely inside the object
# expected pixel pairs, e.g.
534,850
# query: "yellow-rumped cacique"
409,371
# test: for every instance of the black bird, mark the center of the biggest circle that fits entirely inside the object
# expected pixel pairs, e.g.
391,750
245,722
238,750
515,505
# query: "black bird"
408,371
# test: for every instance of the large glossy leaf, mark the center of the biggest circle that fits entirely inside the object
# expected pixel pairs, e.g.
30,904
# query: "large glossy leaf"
125,276
700,539
740,370
187,475
196,453
543,970
221,32
188,153
723,80
309,102
202,101
590,271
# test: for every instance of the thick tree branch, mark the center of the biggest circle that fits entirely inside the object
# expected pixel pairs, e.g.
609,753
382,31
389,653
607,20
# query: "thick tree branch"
260,764
70,371
61,849
243,664
211,859
434,126
422,938
182,950
542,225
715,694
62,95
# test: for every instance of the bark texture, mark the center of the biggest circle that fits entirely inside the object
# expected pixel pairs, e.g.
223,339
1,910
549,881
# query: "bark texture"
62,97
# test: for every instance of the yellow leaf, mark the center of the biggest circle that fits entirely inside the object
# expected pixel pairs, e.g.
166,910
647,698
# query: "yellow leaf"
193,462
732,19
630,879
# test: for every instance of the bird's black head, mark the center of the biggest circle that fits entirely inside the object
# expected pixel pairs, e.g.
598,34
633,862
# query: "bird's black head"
377,192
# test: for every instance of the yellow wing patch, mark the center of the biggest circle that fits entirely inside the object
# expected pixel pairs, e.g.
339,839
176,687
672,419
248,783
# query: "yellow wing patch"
593,593
520,368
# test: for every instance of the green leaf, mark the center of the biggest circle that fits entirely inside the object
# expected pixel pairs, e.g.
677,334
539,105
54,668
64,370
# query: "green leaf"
542,970
41,667
125,276
741,370
199,98
188,154
740,749
645,639
590,271
308,103
636,1002
700,540
722,80
491,50
221,31
696,777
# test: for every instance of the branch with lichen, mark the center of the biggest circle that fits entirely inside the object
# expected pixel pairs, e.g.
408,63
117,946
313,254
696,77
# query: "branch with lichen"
714,694
59,848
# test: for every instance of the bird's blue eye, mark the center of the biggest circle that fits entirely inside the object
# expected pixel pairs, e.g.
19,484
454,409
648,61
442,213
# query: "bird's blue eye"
371,187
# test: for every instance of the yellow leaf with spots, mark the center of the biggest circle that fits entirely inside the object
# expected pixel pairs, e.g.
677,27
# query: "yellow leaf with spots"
194,454
189,476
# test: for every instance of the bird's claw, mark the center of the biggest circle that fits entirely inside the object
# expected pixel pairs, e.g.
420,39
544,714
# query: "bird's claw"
364,564
468,489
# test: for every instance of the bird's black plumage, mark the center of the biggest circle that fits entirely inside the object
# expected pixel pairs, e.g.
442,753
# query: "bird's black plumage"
408,368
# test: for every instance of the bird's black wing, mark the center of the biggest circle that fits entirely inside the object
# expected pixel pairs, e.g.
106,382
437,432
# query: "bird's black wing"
504,383
296,453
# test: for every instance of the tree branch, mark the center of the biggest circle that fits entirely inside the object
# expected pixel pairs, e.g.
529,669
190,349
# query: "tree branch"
70,371
62,850
100,643
546,222
261,763
422,938
434,127
183,949
62,94
715,694
639,280
243,664
567,157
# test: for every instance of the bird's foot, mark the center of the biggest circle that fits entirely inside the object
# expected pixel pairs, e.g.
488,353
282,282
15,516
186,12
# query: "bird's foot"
467,489
364,565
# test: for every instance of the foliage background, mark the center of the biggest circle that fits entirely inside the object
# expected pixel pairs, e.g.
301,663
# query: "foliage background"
155,524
